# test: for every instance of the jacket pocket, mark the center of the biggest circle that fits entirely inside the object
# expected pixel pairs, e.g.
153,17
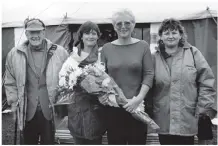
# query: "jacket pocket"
190,108
188,119
190,73
162,115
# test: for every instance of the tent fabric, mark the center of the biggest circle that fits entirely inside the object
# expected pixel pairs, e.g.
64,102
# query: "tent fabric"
100,13
200,15
59,35
203,34
146,35
142,33
7,44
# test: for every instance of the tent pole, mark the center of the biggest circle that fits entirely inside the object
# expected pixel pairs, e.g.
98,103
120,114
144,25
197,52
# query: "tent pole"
208,9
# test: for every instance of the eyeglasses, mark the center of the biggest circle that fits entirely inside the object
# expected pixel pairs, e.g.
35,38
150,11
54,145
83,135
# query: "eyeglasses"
126,24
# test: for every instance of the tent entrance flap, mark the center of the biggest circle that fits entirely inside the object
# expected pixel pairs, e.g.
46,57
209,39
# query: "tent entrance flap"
60,35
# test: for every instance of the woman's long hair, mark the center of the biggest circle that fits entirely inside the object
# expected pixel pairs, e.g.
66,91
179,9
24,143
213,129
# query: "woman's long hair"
85,28
172,24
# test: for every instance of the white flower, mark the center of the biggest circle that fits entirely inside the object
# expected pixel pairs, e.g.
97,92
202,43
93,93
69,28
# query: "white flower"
62,81
70,63
78,72
72,79
85,73
73,63
106,82
100,65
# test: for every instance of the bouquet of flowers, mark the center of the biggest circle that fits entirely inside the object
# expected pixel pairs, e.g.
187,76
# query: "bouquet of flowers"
93,80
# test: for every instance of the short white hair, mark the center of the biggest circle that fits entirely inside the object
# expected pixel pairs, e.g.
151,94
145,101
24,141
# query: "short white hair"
126,12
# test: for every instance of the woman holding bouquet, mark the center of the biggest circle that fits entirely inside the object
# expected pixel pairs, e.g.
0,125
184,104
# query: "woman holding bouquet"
128,61
84,113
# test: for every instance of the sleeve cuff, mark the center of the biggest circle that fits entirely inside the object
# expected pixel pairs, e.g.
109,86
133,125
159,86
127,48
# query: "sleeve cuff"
148,83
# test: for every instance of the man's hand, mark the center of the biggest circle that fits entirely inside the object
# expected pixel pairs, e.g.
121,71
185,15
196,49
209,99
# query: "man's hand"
211,113
132,104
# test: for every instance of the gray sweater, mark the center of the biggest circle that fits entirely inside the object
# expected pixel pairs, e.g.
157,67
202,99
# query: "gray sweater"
129,65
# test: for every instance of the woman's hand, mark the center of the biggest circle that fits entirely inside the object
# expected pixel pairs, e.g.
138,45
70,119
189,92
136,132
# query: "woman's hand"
132,104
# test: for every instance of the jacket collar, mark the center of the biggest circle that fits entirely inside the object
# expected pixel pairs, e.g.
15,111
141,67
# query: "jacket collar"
23,47
186,46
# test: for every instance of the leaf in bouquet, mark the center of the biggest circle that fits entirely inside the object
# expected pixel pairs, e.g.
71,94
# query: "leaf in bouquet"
112,82
65,98
89,84
98,80
106,90
103,99
120,98
112,92
98,72
108,99
67,80
144,117
112,100
60,89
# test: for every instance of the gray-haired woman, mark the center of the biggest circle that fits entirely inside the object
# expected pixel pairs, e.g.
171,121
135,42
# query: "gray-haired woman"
128,61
